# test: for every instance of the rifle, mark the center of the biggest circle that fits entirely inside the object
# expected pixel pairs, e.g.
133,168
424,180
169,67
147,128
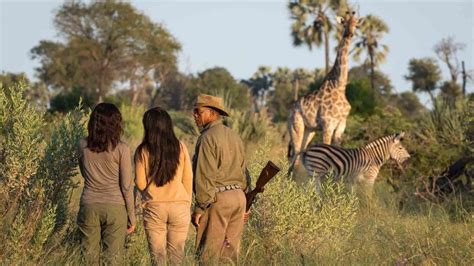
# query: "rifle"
268,172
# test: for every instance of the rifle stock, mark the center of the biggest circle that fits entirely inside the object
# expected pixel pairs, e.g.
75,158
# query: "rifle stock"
267,173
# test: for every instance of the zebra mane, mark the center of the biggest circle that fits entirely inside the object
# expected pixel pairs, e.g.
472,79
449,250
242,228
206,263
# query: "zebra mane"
379,141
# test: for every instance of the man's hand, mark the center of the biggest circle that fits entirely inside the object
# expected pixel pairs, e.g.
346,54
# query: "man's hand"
130,229
247,216
195,218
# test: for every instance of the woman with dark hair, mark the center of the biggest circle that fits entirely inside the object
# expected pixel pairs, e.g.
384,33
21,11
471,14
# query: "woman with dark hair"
107,209
164,175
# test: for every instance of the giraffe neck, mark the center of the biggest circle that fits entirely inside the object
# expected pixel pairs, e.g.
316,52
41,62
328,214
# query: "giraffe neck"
340,69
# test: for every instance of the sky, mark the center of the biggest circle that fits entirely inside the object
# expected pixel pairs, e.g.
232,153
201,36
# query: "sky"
242,35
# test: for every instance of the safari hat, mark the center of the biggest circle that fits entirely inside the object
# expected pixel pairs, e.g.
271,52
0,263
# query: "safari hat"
205,100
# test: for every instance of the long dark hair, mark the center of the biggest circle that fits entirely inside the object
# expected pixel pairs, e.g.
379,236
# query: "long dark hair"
162,146
104,128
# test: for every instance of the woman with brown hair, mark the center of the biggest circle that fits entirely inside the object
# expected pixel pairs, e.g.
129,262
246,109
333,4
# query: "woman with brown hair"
107,210
164,175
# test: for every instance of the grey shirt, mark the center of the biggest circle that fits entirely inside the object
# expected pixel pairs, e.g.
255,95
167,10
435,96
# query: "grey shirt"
107,177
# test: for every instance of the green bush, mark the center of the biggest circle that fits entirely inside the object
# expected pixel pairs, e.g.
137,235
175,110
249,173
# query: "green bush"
251,126
132,121
289,215
68,101
21,144
36,178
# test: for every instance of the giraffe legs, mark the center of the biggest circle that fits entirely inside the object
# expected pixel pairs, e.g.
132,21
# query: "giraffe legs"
328,131
337,137
308,137
300,136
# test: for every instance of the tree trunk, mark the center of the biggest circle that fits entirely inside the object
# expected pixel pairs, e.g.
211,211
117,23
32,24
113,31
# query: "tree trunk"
326,49
464,79
133,88
372,73
430,93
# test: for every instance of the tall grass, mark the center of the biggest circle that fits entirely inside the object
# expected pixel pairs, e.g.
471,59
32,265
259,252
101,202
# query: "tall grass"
291,224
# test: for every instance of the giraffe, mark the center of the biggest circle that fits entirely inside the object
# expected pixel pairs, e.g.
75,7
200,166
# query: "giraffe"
326,107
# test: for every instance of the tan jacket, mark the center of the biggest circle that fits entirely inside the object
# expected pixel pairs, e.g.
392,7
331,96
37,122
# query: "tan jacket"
218,161
177,190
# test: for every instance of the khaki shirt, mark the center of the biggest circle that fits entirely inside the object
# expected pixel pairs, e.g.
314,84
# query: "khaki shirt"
219,160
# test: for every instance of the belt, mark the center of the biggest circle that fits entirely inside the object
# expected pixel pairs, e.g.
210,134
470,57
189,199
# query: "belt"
228,187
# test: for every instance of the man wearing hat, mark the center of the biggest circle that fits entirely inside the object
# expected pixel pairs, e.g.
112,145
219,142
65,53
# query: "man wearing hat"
219,183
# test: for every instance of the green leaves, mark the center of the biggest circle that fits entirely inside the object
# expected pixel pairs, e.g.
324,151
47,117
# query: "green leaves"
296,216
21,139
105,42
424,74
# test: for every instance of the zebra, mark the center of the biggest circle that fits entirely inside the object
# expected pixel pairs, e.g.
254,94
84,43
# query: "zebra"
359,165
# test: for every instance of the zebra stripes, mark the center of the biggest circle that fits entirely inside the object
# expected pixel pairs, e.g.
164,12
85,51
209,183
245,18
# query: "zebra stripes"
362,164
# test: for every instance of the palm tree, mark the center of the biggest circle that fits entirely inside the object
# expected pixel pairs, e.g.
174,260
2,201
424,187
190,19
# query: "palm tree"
311,24
372,30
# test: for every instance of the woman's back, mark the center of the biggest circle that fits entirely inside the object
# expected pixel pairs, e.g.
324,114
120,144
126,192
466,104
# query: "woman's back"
102,172
179,189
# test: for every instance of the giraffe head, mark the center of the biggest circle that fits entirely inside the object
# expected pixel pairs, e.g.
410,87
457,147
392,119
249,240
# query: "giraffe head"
350,22
397,151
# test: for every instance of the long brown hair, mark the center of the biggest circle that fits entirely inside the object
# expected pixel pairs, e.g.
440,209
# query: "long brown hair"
104,128
162,145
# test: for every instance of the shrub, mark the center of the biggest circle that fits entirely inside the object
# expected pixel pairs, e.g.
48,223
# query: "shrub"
68,100
289,215
132,121
36,180
21,144
251,126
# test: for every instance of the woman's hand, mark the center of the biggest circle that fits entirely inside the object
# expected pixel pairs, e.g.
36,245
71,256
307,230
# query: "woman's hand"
130,229
195,219
247,216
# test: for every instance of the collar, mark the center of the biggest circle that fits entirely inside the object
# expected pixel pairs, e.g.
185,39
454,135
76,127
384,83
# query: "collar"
211,124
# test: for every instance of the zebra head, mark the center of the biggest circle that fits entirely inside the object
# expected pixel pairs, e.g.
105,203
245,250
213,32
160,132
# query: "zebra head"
397,151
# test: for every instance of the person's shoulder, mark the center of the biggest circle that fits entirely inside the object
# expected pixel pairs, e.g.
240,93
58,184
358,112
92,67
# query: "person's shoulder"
183,148
182,145
82,143
123,146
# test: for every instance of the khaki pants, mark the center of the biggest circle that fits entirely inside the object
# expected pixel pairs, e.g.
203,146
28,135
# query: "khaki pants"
166,226
224,219
102,222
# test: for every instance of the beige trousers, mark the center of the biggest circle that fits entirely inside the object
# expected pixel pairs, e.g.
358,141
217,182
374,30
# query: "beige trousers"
166,228
224,219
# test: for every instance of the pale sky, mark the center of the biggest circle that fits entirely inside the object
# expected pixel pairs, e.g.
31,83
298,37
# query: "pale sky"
243,35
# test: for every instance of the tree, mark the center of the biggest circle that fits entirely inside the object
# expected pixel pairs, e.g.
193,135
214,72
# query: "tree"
381,82
281,98
311,23
105,43
450,91
372,30
424,74
408,103
218,81
288,86
361,97
300,78
260,84
447,50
